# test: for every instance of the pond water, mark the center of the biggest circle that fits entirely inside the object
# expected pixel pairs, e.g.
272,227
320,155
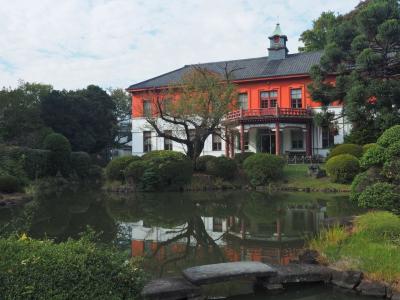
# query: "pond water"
173,231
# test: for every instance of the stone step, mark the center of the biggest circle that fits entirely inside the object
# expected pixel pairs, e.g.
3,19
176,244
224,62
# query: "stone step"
227,271
171,288
300,273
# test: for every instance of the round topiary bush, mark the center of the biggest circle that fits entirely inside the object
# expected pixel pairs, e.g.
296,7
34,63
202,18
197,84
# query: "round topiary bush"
391,170
353,149
262,168
80,163
343,168
135,170
374,156
201,162
381,195
367,146
390,136
60,152
221,167
393,151
9,184
241,157
116,168
362,180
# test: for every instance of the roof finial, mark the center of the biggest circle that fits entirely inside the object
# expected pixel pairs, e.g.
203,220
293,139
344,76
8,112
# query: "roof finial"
277,30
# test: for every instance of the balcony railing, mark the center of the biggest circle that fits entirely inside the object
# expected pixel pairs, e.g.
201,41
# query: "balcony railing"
268,112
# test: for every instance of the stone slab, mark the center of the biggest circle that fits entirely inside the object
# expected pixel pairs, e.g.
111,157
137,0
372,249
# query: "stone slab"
299,273
372,288
226,271
346,279
396,296
172,288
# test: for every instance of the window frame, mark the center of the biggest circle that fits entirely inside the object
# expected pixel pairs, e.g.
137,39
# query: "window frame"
329,140
147,108
168,143
240,103
216,144
147,145
294,102
295,141
269,100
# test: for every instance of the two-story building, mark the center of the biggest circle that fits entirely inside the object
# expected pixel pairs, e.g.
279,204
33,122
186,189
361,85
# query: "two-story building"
275,112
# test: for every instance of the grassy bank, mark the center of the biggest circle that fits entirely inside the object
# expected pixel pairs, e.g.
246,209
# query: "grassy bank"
373,246
295,176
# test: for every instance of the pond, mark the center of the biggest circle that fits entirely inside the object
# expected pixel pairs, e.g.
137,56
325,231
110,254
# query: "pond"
172,231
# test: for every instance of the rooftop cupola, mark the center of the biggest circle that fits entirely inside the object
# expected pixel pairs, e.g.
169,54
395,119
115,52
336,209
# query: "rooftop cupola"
277,48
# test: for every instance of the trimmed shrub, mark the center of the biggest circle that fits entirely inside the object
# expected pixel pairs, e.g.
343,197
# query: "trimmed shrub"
381,195
12,162
9,184
390,136
221,167
163,154
80,163
96,172
353,149
374,156
343,168
364,179
59,156
368,146
241,157
262,168
36,162
391,170
116,168
33,269
201,162
135,170
393,151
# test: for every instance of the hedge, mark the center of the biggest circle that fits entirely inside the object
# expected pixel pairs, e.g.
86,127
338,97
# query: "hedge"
261,168
135,170
32,269
381,195
343,168
115,168
374,156
60,154
80,164
390,136
221,167
353,149
367,146
9,184
201,162
393,151
391,170
241,157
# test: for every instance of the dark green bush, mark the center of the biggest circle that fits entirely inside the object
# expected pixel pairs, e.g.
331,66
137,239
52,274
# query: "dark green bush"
390,136
364,179
60,154
221,167
201,163
381,195
343,168
393,151
36,162
374,156
32,269
80,163
116,168
135,170
164,154
353,149
391,170
9,184
241,157
96,173
262,168
12,162
367,146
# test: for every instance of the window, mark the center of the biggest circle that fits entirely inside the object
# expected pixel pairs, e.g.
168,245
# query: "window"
216,141
146,141
167,142
146,108
246,141
243,101
327,137
268,99
295,96
297,139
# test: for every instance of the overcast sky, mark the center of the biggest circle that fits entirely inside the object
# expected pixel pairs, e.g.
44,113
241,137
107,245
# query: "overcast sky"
115,43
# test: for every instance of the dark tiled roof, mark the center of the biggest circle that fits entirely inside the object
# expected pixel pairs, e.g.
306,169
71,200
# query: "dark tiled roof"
299,63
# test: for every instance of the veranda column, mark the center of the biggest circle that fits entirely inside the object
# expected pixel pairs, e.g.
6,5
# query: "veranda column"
226,142
232,144
241,138
308,140
277,139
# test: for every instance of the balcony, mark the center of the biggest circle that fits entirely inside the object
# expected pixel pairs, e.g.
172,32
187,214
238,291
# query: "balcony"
275,112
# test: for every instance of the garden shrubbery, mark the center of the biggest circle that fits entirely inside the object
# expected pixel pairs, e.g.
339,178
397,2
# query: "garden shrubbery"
390,136
380,195
9,184
201,163
116,167
32,269
367,146
343,168
241,157
60,154
261,168
353,149
80,164
221,167
374,156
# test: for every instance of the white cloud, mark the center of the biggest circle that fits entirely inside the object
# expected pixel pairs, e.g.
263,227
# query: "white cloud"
73,43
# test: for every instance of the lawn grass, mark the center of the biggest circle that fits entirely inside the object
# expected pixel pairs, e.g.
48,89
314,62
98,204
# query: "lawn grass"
296,176
373,247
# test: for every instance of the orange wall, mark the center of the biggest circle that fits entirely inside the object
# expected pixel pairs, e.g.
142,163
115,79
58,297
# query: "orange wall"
253,89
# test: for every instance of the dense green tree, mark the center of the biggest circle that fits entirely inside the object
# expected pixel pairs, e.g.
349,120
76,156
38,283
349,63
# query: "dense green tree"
20,121
123,105
363,50
85,117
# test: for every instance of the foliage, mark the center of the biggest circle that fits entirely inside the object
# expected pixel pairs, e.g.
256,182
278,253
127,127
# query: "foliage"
123,105
241,157
363,180
342,168
262,168
379,226
36,162
135,170
9,184
393,151
374,156
221,167
362,49
391,170
12,162
80,164
86,117
67,270
60,152
205,97
367,146
380,195
390,136
116,167
201,162
353,149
